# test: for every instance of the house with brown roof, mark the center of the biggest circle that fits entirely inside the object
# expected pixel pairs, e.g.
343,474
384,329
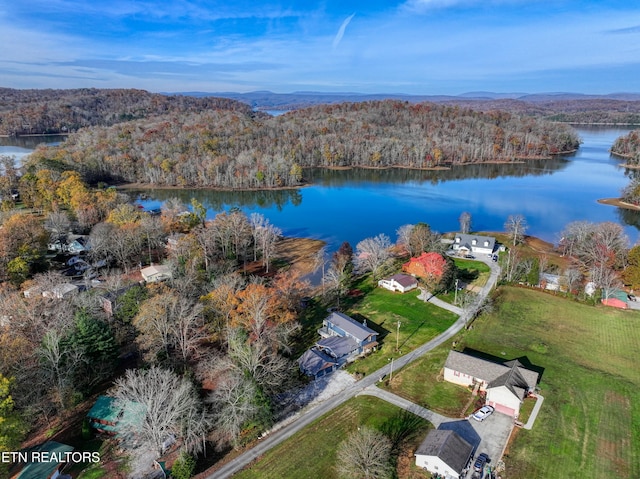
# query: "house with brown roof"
444,452
506,385
399,282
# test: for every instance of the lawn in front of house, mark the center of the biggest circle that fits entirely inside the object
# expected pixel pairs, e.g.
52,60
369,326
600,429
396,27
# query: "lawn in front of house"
383,309
421,382
312,451
589,424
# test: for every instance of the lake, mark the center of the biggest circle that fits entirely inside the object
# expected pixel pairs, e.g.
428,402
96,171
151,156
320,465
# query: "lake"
349,205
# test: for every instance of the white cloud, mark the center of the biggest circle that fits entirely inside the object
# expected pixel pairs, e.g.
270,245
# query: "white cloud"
343,27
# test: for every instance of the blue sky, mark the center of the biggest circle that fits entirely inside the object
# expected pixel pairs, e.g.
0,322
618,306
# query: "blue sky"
373,46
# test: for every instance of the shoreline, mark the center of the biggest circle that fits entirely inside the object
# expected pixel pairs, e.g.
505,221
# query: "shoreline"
518,161
619,203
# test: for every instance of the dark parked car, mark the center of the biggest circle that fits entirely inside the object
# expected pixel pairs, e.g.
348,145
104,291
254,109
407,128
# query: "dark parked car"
632,297
482,459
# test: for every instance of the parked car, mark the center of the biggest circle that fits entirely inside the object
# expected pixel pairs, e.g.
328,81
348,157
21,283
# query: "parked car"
632,297
469,256
483,413
495,257
482,459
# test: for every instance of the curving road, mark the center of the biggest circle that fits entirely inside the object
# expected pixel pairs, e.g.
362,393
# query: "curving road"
309,416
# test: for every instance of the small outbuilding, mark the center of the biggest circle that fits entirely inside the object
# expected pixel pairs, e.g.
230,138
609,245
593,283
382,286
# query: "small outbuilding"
444,452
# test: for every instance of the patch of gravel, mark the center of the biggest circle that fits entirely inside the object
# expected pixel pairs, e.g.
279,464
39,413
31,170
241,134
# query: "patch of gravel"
313,393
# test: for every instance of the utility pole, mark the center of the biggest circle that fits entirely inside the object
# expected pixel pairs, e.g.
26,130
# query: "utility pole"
397,335
455,293
391,372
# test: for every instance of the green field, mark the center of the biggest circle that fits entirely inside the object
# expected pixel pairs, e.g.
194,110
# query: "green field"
589,425
312,451
419,322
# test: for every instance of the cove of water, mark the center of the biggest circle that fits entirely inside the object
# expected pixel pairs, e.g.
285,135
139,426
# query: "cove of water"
350,205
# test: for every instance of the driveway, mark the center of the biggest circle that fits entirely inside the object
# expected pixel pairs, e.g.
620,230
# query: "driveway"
490,435
287,429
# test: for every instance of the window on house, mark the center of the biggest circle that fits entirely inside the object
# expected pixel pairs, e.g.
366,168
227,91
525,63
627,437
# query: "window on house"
457,240
473,242
456,373
486,243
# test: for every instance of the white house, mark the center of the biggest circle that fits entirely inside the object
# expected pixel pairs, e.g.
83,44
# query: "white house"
473,244
399,282
444,453
506,385
152,274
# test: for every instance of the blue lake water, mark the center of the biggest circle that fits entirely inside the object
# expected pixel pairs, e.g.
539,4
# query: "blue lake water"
355,204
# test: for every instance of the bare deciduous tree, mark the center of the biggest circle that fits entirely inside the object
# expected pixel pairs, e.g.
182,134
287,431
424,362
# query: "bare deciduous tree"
235,405
465,222
365,453
372,253
162,405
516,226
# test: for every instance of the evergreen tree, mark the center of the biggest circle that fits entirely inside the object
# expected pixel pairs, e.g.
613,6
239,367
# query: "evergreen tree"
95,340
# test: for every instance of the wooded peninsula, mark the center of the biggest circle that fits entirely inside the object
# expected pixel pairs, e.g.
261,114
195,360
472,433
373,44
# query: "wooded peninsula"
138,137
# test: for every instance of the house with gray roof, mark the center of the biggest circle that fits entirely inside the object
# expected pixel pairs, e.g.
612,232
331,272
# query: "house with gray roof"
506,384
469,243
339,324
316,363
342,340
445,453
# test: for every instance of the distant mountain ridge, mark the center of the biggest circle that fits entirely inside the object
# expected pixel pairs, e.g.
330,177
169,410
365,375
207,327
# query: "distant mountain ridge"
265,100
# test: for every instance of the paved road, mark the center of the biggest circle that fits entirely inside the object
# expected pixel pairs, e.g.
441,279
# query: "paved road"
285,432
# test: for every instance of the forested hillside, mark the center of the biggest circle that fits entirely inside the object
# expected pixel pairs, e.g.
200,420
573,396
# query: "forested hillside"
235,149
60,111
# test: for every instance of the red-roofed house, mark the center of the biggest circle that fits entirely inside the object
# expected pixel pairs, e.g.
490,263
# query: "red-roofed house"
430,266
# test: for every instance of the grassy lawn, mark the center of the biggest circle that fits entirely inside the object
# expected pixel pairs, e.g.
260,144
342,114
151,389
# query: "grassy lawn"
312,451
422,383
589,425
419,322
473,273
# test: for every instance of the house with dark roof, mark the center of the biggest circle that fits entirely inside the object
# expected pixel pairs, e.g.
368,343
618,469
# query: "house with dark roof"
46,469
444,453
399,282
316,363
506,385
465,244
342,340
